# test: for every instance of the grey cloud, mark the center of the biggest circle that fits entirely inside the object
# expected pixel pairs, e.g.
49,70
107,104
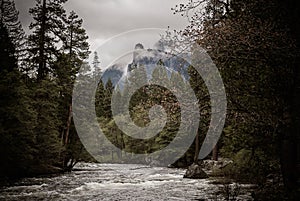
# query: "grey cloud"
106,18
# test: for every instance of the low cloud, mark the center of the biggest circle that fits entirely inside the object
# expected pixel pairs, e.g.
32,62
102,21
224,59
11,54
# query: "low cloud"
104,19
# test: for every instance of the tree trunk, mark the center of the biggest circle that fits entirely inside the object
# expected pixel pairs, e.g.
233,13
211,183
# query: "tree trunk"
65,139
215,154
197,148
68,125
42,63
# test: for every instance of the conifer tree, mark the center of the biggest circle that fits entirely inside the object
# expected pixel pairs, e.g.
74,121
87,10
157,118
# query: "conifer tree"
44,51
9,18
107,99
96,66
47,25
17,122
75,50
75,40
99,101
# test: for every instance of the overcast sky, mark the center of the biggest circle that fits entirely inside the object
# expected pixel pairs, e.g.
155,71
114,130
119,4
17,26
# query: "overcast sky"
104,19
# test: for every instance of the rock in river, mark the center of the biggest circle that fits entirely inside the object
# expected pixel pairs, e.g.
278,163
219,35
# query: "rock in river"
195,172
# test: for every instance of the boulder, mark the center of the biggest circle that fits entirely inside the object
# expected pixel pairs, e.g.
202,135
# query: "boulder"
211,165
195,172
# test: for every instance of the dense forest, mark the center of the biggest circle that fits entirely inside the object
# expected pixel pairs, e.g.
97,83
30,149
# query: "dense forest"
254,44
37,75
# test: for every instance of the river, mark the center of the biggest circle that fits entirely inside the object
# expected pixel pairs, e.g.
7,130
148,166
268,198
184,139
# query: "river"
114,182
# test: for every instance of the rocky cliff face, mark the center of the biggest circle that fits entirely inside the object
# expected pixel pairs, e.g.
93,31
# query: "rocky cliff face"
149,58
114,73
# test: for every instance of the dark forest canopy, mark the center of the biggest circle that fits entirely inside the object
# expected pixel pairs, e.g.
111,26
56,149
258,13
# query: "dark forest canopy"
37,132
255,45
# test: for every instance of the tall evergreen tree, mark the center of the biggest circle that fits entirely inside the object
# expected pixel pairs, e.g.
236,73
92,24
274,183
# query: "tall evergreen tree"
47,129
75,40
107,99
99,99
9,18
8,59
48,18
96,65
75,50
17,122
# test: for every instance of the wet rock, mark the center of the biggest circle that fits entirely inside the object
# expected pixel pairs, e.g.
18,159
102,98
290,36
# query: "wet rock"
211,165
195,172
171,166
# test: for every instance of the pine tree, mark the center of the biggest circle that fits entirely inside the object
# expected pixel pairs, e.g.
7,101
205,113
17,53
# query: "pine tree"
7,54
48,18
47,25
107,99
99,99
9,18
17,122
47,129
65,77
75,50
75,40
96,66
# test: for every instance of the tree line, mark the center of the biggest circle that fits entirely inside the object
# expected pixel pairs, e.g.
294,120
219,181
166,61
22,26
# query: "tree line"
140,104
255,45
37,73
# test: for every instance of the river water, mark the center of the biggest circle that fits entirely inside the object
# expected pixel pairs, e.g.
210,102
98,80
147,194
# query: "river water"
114,182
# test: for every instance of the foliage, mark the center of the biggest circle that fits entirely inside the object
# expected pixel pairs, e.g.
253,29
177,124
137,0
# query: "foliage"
18,118
140,104
37,131
9,18
254,46
46,27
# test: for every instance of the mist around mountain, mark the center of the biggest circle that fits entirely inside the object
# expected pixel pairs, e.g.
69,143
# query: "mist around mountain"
148,58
